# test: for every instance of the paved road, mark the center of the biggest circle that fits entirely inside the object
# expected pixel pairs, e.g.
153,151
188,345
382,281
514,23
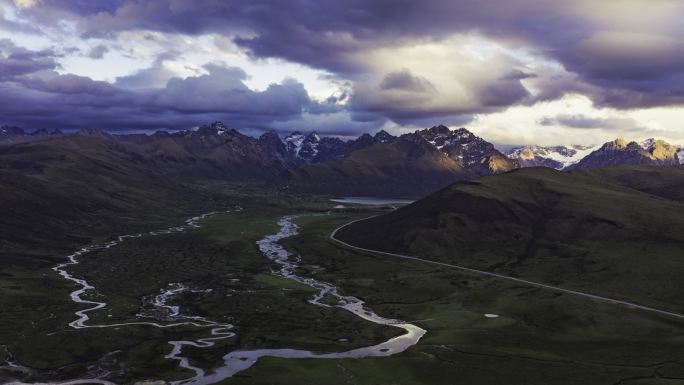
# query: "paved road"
500,276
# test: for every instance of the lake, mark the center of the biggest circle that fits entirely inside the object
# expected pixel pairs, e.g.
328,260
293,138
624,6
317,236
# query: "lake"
371,201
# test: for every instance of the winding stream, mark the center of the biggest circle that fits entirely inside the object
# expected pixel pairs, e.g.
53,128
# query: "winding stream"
235,361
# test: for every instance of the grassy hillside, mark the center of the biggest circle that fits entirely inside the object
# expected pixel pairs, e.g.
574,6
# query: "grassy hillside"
667,182
57,194
599,230
540,337
206,154
408,166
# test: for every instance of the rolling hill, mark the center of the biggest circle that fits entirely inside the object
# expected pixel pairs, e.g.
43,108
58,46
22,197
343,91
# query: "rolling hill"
60,193
617,232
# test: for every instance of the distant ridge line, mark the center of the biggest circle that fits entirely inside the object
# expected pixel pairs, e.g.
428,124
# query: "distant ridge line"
612,301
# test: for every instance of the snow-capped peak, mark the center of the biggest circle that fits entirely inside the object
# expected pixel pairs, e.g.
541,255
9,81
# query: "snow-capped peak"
648,143
300,146
219,127
383,137
442,136
294,143
651,145
313,136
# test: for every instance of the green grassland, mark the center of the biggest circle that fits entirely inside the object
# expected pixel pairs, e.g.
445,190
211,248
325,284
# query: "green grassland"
584,230
266,310
541,337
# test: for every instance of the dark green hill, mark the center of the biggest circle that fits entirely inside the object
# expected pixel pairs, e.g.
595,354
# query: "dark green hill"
614,232
58,193
666,182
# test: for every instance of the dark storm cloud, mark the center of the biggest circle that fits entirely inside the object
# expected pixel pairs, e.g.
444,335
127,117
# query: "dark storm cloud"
155,76
584,122
503,93
40,97
406,98
223,90
403,80
328,34
623,53
16,60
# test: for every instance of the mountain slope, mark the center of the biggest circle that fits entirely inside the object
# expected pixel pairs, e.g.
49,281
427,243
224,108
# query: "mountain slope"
665,182
210,152
585,230
59,193
407,166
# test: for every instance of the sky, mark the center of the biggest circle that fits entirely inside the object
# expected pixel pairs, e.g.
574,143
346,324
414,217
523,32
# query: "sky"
516,72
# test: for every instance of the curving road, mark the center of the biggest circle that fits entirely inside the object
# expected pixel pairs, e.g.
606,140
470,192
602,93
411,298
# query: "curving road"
612,301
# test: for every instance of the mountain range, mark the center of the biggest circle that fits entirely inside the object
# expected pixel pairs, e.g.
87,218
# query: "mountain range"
410,165
413,164
615,153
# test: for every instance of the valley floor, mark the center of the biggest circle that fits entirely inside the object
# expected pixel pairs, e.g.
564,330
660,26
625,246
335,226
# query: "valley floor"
536,337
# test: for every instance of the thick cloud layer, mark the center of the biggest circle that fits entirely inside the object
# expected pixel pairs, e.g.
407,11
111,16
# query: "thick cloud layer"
36,96
406,61
16,61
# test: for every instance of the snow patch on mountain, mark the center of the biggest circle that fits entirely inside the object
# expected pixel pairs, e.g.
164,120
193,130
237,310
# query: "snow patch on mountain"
219,127
383,137
558,157
294,143
648,143
572,155
441,137
303,147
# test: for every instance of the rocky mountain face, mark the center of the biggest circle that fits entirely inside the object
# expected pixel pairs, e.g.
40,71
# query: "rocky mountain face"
663,153
312,148
271,142
621,152
302,147
470,151
556,157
